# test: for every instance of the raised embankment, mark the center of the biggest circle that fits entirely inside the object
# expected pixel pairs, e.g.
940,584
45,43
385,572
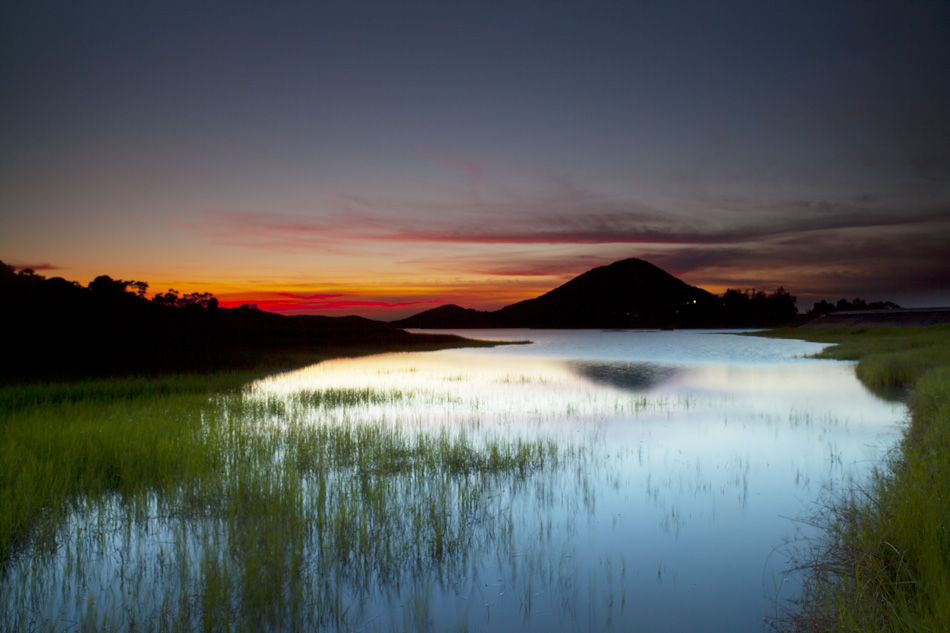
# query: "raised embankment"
897,316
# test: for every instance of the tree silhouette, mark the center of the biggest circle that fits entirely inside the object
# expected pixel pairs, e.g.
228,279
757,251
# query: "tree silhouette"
199,300
756,307
857,304
193,301
106,285
843,305
139,287
169,298
780,305
11,276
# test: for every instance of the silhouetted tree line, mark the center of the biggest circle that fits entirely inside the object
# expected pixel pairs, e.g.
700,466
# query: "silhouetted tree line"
758,308
105,286
195,300
843,305
11,276
54,328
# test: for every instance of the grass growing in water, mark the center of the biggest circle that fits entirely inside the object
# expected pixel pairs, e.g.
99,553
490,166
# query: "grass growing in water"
884,561
226,511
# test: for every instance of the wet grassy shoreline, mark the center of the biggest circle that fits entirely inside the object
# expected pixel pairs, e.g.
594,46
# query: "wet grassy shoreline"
42,422
883,562
248,513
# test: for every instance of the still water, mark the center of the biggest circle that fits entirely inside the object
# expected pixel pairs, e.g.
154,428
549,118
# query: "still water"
701,448
683,461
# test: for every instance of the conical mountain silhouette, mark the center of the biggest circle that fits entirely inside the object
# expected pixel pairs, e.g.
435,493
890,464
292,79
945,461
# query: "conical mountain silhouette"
627,293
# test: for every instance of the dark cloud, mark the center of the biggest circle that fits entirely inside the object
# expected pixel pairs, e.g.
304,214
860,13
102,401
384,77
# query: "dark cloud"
902,262
933,163
38,267
559,266
792,221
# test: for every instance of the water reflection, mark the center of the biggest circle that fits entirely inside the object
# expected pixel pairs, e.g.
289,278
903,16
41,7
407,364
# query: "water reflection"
630,376
666,485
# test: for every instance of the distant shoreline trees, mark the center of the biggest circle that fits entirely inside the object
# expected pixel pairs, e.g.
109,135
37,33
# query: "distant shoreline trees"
843,305
758,307
105,286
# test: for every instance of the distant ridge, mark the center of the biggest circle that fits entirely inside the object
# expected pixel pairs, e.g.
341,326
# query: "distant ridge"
450,316
630,293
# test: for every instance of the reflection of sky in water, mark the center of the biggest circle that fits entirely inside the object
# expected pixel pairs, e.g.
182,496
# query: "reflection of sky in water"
705,446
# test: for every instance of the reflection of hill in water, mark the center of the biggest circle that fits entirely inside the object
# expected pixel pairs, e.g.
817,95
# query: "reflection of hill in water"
629,376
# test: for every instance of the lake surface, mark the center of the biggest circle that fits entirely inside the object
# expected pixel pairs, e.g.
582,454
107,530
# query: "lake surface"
684,459
701,449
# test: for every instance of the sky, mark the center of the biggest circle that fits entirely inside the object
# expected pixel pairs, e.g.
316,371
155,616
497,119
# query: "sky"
384,158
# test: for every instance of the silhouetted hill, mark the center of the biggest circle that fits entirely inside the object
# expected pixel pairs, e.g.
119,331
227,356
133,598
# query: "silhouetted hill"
628,293
625,294
450,316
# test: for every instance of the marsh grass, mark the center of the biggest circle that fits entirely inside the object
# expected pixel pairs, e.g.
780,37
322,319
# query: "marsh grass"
890,359
883,562
174,505
70,449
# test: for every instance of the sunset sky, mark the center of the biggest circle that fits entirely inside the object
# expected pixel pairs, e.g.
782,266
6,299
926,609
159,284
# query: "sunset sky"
383,158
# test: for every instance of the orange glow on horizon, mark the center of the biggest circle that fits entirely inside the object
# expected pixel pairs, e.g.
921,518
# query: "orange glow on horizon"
372,300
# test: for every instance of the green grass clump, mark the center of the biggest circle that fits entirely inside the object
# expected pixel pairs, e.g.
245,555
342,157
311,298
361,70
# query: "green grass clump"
106,390
883,563
54,455
352,397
